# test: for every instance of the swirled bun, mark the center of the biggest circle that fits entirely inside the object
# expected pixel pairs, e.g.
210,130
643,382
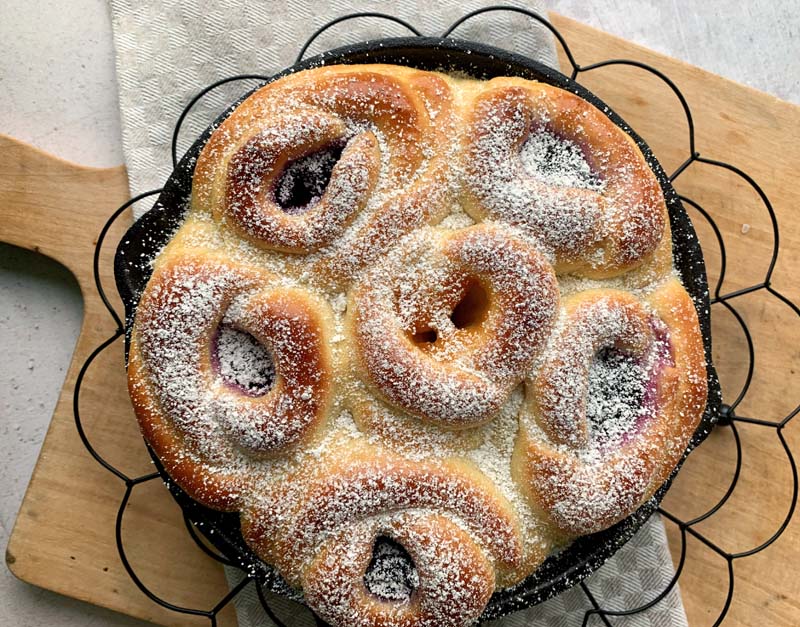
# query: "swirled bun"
598,439
381,137
600,211
421,332
454,367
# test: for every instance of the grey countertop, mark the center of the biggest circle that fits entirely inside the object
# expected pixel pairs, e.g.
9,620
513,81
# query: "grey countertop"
58,92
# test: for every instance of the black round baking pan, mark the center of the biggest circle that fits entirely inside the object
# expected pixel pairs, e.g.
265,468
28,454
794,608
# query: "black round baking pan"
148,235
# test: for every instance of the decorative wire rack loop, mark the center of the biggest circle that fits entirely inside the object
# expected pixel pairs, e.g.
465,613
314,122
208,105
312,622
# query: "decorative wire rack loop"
727,417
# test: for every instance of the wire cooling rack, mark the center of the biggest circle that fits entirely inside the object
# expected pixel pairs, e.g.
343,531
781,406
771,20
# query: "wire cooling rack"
728,417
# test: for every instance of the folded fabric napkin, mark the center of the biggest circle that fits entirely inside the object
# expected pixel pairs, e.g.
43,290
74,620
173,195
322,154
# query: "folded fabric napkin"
167,50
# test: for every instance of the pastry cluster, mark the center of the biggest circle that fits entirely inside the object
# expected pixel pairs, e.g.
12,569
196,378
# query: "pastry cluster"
421,331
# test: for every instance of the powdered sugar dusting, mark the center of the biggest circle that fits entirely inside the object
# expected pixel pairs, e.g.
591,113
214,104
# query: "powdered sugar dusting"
365,335
543,160
558,162
600,402
615,396
392,574
243,361
459,376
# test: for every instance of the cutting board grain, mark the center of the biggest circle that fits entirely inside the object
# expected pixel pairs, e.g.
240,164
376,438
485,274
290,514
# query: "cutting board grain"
63,539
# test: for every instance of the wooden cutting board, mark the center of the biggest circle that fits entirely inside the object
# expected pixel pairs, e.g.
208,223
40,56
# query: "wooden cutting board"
63,539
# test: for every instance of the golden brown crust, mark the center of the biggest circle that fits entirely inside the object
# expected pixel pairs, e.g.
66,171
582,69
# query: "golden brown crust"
600,230
356,483
209,486
392,172
430,349
192,418
419,295
446,557
584,486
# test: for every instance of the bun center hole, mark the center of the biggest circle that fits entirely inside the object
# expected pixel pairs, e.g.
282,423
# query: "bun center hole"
426,336
304,180
242,361
391,574
473,307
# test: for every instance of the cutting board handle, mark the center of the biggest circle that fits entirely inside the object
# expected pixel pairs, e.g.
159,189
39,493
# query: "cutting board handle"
52,206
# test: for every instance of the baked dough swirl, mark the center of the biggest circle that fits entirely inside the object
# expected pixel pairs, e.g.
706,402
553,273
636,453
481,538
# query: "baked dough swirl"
588,472
320,531
544,159
390,172
449,344
183,402
477,348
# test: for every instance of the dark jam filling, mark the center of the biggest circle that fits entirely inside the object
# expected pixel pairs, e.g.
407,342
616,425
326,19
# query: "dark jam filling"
550,155
304,180
616,397
242,362
391,574
623,390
